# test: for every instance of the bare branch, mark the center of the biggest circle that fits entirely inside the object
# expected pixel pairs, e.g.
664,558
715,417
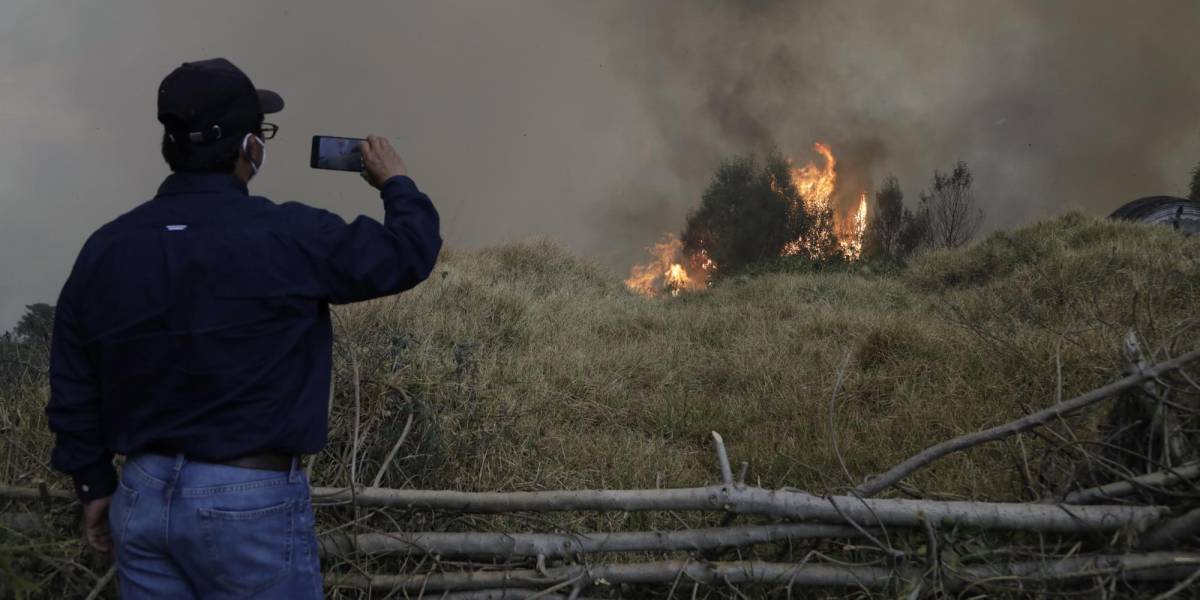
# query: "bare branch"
561,545
1124,488
1173,532
722,459
408,423
771,503
1163,566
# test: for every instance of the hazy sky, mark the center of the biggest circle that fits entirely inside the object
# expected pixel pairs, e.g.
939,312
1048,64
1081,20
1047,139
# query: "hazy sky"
597,123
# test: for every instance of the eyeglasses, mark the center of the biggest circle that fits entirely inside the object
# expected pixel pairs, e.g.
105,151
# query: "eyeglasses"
268,130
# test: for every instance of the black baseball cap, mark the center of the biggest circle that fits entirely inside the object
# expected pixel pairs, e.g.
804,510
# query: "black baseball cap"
207,100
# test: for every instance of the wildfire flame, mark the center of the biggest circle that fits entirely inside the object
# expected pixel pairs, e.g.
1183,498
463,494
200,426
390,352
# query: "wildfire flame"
666,271
852,238
814,183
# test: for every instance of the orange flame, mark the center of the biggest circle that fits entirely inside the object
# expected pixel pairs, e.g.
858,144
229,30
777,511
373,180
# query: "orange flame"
814,183
665,271
815,186
852,236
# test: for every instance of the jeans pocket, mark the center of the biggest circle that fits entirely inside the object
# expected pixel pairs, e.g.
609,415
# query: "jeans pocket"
249,549
120,509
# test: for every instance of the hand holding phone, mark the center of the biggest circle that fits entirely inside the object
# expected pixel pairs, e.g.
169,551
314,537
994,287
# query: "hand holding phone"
374,157
381,162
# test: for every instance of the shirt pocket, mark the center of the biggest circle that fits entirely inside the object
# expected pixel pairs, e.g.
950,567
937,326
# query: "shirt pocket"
249,550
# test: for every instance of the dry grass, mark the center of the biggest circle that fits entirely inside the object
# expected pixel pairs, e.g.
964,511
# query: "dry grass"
530,369
534,370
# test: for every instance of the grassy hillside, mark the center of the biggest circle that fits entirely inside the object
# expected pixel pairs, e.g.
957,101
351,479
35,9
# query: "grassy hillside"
532,369
528,368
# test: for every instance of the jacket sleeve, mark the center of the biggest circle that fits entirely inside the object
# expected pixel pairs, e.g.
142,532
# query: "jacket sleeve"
74,408
368,259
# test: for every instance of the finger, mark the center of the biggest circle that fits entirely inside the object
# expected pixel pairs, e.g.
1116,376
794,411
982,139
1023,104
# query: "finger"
390,150
381,144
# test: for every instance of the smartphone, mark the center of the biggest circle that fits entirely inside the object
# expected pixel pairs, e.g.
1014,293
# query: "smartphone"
337,153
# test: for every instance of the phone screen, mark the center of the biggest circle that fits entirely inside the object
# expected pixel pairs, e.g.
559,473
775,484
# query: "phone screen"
337,153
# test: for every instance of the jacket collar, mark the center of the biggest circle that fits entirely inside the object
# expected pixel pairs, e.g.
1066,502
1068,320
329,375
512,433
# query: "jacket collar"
201,183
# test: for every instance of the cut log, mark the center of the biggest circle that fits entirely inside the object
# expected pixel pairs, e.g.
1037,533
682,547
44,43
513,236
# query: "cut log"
509,594
561,545
1164,566
637,573
770,503
1118,489
1173,533
8,492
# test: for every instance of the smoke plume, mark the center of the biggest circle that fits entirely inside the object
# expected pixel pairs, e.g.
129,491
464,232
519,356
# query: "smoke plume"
1054,105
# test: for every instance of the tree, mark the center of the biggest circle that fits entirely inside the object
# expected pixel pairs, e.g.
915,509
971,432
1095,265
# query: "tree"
1194,189
914,233
882,238
746,214
36,325
954,217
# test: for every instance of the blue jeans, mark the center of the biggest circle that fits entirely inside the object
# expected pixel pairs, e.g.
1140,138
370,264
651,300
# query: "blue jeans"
184,529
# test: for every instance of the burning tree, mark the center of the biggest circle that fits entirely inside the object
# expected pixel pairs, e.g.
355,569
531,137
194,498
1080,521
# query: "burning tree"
752,213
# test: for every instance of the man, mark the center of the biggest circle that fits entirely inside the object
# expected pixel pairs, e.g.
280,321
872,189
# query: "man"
193,337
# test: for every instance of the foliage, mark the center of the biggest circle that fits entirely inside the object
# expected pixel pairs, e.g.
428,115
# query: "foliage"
36,325
1194,188
954,215
893,231
746,214
25,350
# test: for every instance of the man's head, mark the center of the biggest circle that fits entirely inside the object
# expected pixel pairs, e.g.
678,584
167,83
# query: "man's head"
213,118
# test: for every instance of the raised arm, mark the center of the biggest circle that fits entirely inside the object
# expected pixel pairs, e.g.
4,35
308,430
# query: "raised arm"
367,259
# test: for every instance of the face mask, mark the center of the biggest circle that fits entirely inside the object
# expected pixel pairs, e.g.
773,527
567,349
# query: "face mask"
246,149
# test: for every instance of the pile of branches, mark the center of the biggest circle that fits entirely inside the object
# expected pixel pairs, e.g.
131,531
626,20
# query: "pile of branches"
1118,517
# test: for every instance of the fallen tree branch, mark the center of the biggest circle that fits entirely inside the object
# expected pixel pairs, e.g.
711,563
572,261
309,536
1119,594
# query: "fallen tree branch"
770,503
561,545
722,459
408,423
635,573
8,492
1128,486
507,594
1173,532
102,583
1151,566
1166,566
919,460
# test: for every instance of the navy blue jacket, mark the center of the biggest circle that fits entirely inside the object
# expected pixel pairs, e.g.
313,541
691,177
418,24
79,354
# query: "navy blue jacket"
199,322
